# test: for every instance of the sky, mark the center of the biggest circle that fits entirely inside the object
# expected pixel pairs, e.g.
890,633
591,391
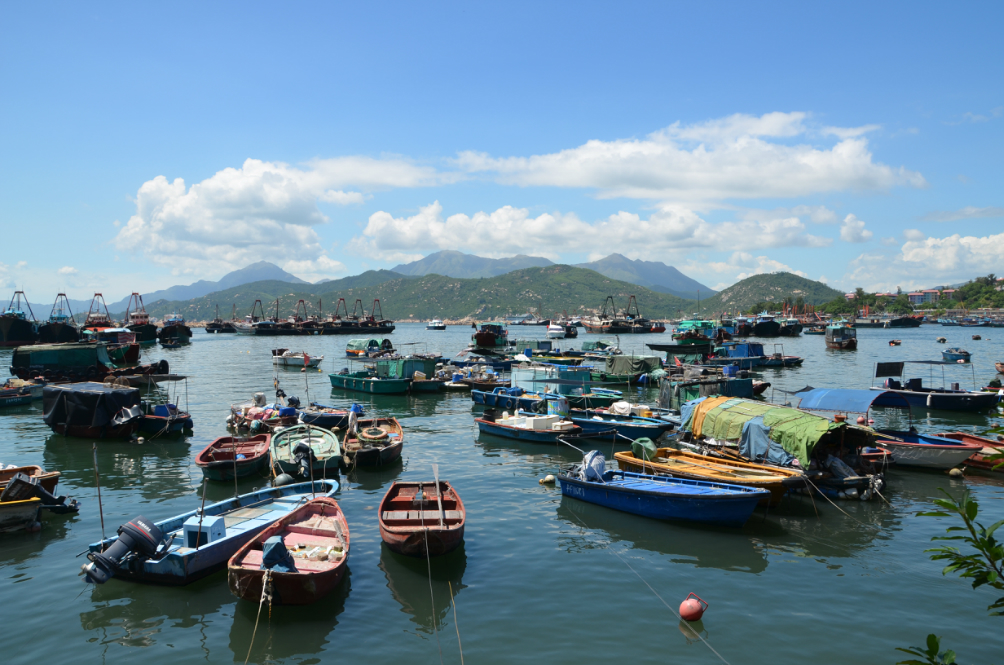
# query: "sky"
858,144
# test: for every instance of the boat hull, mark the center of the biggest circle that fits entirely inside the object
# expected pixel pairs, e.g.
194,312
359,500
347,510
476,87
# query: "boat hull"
927,451
422,538
945,401
58,333
536,436
175,332
370,385
979,460
17,515
145,332
625,428
217,459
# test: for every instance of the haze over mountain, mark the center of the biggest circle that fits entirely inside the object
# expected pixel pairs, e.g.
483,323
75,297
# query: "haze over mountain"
450,263
652,274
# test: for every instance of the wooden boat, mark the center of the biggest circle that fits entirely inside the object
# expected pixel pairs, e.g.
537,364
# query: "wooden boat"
527,427
327,417
368,383
683,464
316,538
191,545
165,419
325,453
174,329
296,359
665,498
17,515
18,396
814,330
376,442
230,456
955,355
895,342
420,519
47,479
930,452
999,367
988,447
632,427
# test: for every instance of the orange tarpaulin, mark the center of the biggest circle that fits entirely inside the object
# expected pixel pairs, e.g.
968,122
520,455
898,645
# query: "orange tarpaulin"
697,418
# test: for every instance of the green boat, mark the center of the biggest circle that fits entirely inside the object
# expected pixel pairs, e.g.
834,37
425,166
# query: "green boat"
326,453
625,369
366,382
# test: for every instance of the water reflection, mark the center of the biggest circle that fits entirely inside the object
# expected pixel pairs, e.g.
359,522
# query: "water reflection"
20,546
698,545
296,630
375,478
408,581
554,453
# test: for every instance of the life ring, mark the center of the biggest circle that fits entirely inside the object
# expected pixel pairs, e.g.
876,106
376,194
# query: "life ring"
373,434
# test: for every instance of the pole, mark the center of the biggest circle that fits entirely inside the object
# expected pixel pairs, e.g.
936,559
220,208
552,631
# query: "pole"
97,483
439,494
202,512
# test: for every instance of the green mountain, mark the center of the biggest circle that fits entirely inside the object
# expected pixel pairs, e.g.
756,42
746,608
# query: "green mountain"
772,287
655,275
554,288
459,264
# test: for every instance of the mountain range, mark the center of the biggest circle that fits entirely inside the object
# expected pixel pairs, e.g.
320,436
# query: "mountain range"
457,264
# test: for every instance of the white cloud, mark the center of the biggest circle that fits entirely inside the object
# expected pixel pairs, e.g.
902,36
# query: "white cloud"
67,270
239,215
20,264
914,234
969,212
971,117
740,265
850,132
853,230
735,157
510,230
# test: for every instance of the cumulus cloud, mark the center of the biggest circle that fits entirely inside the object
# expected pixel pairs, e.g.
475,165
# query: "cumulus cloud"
740,265
970,117
853,230
67,270
510,230
740,156
239,215
969,212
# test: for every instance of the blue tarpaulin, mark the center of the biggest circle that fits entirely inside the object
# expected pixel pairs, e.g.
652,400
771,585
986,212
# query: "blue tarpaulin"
755,444
276,557
843,400
687,408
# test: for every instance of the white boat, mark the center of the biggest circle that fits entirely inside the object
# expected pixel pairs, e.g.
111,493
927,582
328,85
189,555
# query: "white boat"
286,358
554,331
436,324
910,449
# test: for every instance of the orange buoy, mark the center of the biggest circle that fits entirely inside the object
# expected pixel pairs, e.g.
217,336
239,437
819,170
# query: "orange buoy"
861,420
692,608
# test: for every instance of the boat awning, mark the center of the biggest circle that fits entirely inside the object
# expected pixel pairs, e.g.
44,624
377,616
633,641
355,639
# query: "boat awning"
842,400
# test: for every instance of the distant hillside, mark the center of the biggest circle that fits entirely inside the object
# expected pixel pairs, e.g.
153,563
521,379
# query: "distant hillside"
653,274
556,288
773,287
467,266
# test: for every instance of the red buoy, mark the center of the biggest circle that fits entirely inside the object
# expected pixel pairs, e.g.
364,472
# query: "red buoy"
692,608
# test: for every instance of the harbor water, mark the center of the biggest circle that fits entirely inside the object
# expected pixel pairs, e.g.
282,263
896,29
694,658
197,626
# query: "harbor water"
539,578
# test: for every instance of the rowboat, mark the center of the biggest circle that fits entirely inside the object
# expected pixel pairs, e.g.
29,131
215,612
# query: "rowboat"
422,519
17,515
683,464
165,419
955,355
999,367
230,456
367,383
287,358
304,554
187,547
304,451
47,479
327,417
664,498
931,452
526,427
632,427
376,442
517,398
988,447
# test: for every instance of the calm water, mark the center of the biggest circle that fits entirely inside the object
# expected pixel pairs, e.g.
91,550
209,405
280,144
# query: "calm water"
540,577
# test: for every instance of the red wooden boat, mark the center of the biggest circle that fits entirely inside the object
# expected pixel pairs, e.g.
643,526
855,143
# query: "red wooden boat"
47,479
317,537
376,442
979,460
415,521
217,460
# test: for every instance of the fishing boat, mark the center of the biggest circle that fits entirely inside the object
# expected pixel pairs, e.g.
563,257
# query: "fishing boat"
96,319
554,331
790,327
18,328
436,324
61,328
46,479
988,447
948,399
302,557
305,451
164,419
327,417
189,546
660,497
766,326
174,329
779,359
287,358
518,398
685,464
375,442
257,414
120,344
369,347
92,410
358,323
912,449
231,456
527,427
956,355
367,382
815,330
422,519
15,394
138,321
841,337
628,426
218,325
490,335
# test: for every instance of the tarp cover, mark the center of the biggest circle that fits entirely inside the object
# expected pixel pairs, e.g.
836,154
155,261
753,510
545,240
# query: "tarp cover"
755,444
840,400
631,364
686,409
60,356
86,404
276,557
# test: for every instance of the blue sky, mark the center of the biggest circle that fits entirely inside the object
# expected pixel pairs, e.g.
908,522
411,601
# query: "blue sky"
144,146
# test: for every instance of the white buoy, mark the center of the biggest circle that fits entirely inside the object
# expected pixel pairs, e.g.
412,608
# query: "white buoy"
140,440
955,473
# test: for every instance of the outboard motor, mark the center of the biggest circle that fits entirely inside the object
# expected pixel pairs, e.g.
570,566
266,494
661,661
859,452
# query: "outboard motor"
22,487
293,401
304,458
139,535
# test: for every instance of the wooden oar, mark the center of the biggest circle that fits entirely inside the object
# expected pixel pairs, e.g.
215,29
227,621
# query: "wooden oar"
439,494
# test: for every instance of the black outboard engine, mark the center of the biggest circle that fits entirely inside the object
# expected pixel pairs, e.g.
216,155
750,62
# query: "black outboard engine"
490,415
22,487
304,458
293,401
139,535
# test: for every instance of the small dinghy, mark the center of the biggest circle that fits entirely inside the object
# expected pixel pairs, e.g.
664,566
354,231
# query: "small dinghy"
164,419
912,449
980,459
630,426
327,417
376,442
46,479
234,456
895,342
296,359
956,355
305,451
659,497
303,555
527,427
422,518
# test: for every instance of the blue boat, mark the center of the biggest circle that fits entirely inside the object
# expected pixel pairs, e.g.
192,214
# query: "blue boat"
745,355
165,419
327,417
516,398
489,426
182,549
955,355
632,427
662,497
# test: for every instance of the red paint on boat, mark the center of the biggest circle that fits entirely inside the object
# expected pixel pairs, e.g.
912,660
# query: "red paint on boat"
410,518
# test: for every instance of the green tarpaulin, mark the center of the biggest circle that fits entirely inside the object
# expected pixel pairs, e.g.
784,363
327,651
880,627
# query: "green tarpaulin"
631,364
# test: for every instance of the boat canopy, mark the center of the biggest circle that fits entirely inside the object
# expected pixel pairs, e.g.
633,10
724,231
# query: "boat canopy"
632,364
842,400
535,344
88,404
365,344
598,345
799,432
60,356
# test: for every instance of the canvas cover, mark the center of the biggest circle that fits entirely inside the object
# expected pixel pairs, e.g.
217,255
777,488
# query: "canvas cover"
61,356
755,444
86,404
631,364
276,557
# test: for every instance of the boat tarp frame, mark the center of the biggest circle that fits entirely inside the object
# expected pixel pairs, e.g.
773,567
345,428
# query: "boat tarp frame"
843,400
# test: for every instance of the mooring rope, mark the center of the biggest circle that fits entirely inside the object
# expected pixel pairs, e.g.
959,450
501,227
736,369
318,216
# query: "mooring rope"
428,563
455,624
265,581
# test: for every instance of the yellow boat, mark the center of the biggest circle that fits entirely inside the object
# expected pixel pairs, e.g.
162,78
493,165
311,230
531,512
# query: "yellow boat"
683,464
16,515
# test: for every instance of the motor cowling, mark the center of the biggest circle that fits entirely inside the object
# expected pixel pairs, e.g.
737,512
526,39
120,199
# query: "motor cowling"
139,535
304,458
